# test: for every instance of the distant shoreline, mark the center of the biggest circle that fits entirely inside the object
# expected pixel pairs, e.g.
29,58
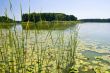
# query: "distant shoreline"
95,20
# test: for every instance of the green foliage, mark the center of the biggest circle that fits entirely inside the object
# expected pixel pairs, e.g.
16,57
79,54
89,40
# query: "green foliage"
5,19
58,25
35,17
19,54
6,25
95,20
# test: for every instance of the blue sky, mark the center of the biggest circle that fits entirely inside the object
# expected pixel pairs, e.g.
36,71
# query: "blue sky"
80,8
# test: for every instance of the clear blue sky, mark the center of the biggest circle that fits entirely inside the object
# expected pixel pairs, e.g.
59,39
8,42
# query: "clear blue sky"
79,8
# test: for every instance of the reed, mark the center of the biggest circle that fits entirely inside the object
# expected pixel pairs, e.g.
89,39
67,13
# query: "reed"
37,51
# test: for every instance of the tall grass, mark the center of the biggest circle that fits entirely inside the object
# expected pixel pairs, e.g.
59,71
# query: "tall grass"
37,51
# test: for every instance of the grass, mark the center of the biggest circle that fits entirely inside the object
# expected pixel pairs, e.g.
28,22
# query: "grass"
46,25
6,25
43,54
37,51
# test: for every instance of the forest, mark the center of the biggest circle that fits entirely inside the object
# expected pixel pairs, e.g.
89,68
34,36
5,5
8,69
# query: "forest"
5,19
35,17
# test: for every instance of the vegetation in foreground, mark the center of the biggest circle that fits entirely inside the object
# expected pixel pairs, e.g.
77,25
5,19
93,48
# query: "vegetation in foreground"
38,51
33,52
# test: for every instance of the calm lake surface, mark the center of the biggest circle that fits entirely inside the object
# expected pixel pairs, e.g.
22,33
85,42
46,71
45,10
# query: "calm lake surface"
95,32
98,33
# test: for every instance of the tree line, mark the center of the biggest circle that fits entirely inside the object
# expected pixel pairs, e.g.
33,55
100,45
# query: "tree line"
95,20
35,17
5,19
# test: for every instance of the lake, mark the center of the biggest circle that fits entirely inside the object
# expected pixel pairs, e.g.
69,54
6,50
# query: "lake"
93,34
89,31
93,47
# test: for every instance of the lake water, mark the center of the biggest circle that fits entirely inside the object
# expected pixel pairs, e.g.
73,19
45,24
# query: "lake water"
91,31
94,36
98,33
95,31
93,41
